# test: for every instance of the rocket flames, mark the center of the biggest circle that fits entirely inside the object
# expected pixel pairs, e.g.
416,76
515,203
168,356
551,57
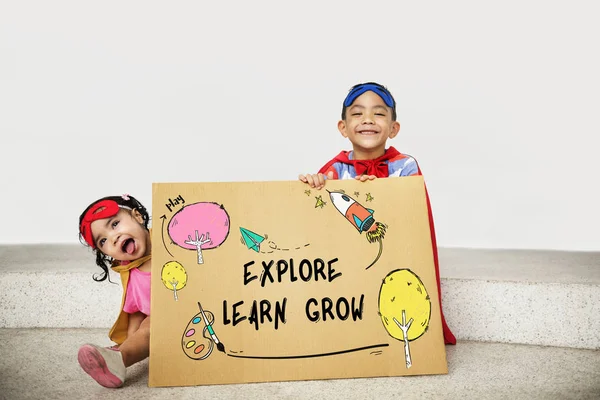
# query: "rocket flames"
378,233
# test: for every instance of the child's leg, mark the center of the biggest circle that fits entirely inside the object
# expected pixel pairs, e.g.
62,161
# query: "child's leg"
104,365
107,365
137,345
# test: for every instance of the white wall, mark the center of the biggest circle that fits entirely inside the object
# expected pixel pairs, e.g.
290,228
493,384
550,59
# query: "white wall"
499,102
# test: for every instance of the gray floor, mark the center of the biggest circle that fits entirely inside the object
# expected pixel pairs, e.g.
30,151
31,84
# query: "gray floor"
487,291
42,364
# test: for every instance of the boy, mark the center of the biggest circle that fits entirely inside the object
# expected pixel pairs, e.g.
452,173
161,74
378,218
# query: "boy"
368,121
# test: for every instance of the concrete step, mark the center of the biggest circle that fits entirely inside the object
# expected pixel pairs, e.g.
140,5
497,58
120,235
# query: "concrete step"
42,364
511,296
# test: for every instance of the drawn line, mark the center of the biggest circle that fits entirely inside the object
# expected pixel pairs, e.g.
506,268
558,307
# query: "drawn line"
378,255
163,236
311,355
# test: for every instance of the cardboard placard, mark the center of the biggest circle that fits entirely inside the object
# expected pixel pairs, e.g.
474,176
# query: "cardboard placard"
274,281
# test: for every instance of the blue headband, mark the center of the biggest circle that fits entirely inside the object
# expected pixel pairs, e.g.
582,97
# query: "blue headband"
360,89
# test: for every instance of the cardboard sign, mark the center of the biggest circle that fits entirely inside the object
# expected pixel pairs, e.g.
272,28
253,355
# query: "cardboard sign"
274,281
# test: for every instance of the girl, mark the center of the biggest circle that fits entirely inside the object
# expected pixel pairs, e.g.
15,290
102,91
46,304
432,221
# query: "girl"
116,228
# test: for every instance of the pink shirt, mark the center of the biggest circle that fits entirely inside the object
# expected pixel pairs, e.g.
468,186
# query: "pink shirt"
138,292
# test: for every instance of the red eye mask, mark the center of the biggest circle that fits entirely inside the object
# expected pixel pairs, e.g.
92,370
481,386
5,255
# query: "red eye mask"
100,210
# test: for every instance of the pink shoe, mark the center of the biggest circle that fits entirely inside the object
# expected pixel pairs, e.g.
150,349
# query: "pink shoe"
105,365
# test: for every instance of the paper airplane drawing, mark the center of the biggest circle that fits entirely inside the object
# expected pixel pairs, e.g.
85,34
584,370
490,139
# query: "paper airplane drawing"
251,239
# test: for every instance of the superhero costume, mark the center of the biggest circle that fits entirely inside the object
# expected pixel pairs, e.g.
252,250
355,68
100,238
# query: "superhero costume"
118,333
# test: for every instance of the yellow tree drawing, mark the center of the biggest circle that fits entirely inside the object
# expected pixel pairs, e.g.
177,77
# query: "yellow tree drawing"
174,277
404,307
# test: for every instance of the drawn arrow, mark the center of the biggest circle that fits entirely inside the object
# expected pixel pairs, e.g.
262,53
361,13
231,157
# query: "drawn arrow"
164,218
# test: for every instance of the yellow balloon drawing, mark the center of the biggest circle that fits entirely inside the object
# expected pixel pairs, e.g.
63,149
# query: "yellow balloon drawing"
174,277
405,307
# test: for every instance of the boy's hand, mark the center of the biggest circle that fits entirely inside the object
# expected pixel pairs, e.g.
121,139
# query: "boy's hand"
316,181
364,178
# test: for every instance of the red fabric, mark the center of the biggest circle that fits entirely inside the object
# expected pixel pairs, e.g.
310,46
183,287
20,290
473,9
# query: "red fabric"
448,335
100,210
375,165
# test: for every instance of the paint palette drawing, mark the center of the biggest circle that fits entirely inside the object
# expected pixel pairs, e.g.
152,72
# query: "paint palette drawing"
195,345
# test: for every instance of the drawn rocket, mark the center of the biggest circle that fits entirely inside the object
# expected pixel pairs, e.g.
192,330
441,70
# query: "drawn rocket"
360,217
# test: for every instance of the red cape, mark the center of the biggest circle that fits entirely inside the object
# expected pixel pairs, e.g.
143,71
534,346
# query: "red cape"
374,167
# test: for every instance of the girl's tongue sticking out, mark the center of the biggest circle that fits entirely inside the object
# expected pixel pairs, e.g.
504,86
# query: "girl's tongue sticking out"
129,246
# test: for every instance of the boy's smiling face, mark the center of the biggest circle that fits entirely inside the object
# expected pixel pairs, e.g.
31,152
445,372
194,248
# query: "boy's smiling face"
368,125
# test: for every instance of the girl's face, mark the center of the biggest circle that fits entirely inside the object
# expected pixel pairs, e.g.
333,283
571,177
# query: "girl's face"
122,236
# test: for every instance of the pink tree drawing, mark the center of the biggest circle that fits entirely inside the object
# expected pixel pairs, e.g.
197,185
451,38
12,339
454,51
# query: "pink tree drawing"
199,226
